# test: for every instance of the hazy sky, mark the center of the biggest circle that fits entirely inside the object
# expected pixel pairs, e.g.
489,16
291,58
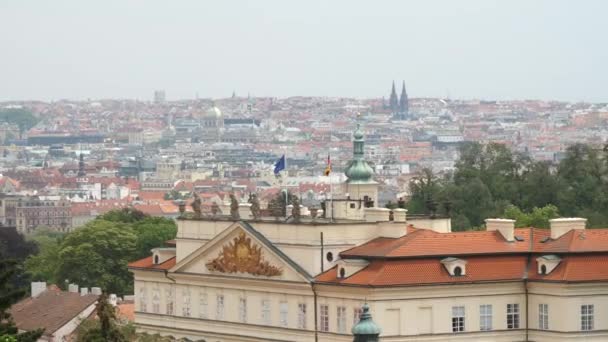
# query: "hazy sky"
465,49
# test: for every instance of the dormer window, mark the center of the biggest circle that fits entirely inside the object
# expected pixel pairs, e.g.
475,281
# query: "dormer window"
156,259
454,266
547,263
348,267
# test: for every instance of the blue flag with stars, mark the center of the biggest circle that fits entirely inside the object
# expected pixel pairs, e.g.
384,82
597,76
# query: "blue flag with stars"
279,165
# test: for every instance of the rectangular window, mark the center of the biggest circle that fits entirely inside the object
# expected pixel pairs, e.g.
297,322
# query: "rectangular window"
243,309
512,316
283,314
156,300
485,317
143,307
266,319
324,317
203,304
357,315
169,301
543,316
457,318
587,317
186,302
341,319
219,308
301,316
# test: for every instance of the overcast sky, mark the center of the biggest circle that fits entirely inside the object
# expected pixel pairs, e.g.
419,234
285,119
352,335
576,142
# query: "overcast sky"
462,49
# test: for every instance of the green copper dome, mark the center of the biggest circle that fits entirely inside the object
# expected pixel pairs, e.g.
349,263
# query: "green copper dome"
366,329
358,171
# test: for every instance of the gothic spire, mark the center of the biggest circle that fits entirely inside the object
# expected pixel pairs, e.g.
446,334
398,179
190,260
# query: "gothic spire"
403,101
394,100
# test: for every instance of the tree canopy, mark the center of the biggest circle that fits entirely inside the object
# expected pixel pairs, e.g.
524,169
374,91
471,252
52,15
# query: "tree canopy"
97,254
20,117
491,181
10,295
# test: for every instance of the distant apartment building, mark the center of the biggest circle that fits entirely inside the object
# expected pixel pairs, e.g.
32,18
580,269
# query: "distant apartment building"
33,212
144,137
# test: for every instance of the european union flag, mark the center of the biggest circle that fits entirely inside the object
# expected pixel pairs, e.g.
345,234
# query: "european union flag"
279,165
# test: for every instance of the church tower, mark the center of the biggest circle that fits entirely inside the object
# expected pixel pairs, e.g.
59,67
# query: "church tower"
393,100
359,191
403,103
81,169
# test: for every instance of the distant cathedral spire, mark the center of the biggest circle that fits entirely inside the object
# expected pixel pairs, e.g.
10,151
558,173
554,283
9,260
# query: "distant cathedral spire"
393,101
403,102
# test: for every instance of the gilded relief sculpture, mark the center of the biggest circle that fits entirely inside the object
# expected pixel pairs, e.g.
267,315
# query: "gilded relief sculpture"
242,256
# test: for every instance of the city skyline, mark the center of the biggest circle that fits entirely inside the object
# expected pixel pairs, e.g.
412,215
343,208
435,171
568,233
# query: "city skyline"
472,50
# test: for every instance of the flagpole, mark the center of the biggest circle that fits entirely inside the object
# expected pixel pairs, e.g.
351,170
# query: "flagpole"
286,196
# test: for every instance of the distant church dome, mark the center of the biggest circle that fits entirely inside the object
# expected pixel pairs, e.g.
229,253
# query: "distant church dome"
213,112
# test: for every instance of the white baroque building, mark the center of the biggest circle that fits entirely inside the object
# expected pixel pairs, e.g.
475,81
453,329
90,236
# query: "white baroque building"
265,280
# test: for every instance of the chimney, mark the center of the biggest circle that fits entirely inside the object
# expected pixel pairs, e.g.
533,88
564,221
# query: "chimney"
73,288
38,287
506,227
400,215
96,291
561,226
84,291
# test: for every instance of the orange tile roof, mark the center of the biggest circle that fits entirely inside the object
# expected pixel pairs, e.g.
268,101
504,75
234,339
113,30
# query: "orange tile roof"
575,268
424,242
147,263
431,271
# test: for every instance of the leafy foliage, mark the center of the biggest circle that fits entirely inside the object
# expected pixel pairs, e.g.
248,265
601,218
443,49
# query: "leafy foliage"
490,181
20,117
538,217
98,253
14,246
9,295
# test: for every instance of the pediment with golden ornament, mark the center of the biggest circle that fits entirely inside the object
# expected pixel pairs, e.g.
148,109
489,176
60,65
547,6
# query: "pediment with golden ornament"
242,255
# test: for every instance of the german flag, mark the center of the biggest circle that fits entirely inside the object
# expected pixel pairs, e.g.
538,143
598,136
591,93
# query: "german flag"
328,167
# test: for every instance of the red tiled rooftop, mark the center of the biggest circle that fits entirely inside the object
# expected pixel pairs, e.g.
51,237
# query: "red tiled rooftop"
575,268
424,242
430,271
149,264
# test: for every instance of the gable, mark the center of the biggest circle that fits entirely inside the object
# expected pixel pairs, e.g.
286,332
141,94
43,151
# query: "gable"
241,252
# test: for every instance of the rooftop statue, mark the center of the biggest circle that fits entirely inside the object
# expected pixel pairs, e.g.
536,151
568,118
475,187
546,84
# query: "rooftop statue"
196,206
234,207
255,207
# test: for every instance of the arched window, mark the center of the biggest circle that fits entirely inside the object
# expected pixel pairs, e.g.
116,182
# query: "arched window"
342,272
457,271
330,256
156,259
543,269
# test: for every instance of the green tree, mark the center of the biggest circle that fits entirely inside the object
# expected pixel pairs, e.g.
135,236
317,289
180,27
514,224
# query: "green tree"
538,217
44,265
14,246
10,295
106,329
124,215
97,255
152,232
23,118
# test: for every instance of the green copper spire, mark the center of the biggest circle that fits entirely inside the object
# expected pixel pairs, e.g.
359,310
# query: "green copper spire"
366,330
358,171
